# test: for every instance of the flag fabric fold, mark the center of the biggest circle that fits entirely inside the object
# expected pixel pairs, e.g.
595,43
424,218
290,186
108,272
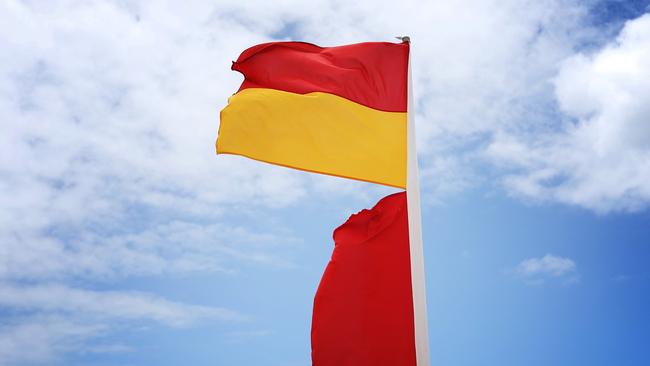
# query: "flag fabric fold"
363,309
372,74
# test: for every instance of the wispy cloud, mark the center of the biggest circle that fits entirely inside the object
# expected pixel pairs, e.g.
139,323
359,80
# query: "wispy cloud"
630,277
535,271
53,319
59,299
245,335
42,339
166,248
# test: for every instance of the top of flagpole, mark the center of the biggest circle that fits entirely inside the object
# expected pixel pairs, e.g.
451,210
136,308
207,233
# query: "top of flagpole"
405,39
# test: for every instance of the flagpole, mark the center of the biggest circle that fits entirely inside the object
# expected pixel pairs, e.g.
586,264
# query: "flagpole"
415,232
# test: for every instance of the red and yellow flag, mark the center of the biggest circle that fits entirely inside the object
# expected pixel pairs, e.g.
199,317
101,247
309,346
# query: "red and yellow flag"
332,110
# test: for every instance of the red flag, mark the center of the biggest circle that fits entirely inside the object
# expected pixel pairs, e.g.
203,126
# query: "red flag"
363,309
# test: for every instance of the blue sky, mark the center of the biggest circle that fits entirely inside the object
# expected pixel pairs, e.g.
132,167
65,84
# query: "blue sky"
125,241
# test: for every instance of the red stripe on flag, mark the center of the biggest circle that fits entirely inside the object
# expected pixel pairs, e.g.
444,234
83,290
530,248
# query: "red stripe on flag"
373,74
363,309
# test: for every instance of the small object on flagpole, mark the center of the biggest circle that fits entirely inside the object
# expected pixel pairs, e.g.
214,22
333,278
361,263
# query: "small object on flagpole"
405,39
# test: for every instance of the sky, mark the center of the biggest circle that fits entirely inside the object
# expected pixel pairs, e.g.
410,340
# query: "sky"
124,239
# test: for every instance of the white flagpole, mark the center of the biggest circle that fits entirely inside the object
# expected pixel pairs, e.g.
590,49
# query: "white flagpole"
415,233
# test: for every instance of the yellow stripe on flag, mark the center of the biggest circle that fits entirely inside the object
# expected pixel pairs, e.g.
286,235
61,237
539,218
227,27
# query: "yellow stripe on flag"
317,132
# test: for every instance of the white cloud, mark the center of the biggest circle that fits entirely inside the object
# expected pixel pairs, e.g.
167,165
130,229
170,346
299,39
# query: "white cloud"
53,319
42,339
169,248
547,265
108,305
601,157
539,270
